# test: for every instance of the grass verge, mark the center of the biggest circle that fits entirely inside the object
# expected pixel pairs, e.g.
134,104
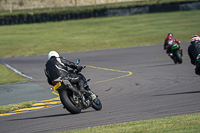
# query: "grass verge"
184,123
97,33
12,107
8,76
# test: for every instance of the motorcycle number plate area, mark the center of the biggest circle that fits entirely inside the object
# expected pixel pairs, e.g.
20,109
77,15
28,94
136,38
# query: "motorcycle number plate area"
57,86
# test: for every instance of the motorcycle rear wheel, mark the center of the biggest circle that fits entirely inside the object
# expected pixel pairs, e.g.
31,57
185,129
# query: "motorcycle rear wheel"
68,102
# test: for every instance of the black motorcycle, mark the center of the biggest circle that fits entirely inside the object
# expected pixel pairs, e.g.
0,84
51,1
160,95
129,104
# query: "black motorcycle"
74,102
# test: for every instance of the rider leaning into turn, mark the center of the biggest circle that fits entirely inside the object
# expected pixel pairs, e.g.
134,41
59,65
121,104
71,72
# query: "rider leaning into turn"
169,41
57,67
194,52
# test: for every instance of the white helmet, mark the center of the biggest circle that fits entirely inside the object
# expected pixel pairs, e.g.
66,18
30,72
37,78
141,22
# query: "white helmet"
52,53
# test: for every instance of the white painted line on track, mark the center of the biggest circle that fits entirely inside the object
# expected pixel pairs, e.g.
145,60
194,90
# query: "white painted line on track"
16,71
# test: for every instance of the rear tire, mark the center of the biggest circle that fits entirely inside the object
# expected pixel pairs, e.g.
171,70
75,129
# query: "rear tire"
66,98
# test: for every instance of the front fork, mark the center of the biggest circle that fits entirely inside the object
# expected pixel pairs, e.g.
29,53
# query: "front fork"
181,51
92,94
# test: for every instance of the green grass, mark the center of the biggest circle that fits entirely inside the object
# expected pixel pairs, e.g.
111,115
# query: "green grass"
8,76
181,124
97,33
12,107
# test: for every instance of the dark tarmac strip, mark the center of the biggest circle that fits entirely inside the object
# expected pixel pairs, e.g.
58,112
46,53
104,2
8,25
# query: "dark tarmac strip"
24,91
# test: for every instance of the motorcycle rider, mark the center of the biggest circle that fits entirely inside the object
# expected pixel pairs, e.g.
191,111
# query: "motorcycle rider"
57,68
194,53
169,41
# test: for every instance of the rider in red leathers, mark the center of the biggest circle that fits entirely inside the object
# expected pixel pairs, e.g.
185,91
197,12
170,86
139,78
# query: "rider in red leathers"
169,41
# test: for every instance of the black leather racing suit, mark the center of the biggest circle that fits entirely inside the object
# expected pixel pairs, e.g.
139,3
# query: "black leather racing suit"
57,67
193,52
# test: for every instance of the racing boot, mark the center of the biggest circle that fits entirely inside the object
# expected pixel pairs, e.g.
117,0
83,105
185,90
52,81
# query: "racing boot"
74,90
68,84
82,88
172,57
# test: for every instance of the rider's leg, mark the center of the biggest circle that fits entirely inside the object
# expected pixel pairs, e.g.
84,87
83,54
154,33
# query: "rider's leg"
168,51
80,80
197,72
81,85
69,85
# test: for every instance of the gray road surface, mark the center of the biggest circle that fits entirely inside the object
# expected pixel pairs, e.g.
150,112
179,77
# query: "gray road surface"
157,88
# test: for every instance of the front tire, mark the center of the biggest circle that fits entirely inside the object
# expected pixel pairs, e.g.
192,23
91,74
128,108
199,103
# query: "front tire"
66,98
178,57
97,104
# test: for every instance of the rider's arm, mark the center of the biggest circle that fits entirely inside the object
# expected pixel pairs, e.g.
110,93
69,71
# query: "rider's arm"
68,63
177,41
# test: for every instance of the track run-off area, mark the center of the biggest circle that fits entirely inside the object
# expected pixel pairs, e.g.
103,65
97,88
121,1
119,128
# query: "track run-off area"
133,83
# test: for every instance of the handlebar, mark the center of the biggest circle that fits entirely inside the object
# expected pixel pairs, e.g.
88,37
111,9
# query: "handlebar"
76,71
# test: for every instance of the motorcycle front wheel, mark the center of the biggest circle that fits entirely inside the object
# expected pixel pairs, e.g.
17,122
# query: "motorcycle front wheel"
178,57
97,104
69,102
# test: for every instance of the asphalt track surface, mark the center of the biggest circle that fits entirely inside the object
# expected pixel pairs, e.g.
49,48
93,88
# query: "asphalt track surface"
149,85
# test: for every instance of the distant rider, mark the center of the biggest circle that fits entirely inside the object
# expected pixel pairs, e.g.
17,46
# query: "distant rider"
169,41
194,53
57,67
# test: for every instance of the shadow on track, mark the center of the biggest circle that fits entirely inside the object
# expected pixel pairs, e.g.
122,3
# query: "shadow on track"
49,116
191,92
160,65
